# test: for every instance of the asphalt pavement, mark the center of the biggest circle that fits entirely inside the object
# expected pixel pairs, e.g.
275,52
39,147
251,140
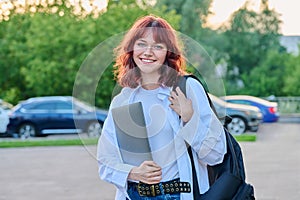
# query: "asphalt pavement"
70,173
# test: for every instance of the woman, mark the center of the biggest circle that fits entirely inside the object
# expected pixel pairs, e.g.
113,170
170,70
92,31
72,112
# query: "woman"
148,63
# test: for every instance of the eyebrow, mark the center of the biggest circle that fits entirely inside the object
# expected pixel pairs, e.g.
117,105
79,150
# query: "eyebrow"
143,40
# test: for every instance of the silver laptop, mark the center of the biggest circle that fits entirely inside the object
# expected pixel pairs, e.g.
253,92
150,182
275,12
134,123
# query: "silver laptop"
132,133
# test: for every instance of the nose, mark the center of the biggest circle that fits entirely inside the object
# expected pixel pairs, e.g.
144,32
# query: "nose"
148,51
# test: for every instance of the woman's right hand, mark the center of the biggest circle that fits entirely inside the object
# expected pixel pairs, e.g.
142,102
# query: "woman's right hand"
148,172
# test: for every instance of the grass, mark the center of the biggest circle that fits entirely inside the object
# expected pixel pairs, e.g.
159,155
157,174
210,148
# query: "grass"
58,142
245,137
87,141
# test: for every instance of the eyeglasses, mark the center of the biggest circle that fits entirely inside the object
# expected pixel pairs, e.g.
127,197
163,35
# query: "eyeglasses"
154,47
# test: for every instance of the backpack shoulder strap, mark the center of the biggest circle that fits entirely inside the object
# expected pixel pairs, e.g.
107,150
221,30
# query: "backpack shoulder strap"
232,146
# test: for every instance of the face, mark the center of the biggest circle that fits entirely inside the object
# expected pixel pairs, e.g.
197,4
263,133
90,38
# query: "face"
149,55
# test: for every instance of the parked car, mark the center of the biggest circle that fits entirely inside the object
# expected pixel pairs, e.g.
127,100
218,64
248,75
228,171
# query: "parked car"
55,115
4,119
243,117
268,109
5,105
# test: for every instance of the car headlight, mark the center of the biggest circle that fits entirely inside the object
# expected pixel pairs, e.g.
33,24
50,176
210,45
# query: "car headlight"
251,113
247,112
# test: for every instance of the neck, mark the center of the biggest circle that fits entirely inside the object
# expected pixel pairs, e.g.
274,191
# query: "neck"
151,86
150,83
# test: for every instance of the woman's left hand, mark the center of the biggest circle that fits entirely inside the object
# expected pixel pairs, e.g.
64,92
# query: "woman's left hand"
181,105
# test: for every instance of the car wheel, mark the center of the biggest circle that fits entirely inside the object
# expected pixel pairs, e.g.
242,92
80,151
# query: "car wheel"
27,130
237,126
94,129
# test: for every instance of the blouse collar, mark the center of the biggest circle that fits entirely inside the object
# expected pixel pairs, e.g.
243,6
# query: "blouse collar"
162,93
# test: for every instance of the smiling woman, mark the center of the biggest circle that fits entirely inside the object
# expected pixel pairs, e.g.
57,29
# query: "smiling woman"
149,63
148,42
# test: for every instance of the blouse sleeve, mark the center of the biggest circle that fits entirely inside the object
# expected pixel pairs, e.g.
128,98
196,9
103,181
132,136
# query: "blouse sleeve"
111,167
204,132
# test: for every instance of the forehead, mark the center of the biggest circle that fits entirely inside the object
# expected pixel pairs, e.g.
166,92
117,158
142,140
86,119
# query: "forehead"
147,37
154,35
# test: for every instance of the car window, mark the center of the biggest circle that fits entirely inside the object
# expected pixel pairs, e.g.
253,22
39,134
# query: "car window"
240,102
39,107
63,106
43,106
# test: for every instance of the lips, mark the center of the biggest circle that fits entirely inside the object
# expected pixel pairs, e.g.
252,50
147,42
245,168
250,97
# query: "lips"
146,60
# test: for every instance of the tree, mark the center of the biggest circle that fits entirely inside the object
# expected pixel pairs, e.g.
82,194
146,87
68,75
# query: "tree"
109,27
42,52
193,14
291,78
269,76
250,36
13,54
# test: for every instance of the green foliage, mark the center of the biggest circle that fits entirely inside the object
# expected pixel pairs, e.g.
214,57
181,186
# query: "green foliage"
56,52
193,14
267,78
291,78
42,52
250,36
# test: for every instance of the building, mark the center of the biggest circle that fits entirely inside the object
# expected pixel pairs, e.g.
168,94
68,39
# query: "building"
291,43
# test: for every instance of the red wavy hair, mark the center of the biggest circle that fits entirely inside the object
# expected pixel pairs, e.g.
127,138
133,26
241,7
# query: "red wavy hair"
126,71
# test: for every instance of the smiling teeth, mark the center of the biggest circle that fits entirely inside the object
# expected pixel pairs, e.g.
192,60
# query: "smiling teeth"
148,61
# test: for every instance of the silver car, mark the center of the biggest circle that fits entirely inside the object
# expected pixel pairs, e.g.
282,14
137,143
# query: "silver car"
4,120
243,117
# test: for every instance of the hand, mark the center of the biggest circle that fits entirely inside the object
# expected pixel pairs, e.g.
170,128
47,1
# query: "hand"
181,105
148,172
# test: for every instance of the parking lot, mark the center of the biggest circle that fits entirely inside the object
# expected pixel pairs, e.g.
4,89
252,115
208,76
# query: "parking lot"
70,173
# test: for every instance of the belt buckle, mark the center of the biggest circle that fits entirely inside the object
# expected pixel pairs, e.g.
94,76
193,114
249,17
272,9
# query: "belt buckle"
144,193
141,193
152,190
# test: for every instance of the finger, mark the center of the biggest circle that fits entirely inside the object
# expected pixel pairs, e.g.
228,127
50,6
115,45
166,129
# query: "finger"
152,165
171,99
174,95
174,106
179,92
153,177
152,180
155,173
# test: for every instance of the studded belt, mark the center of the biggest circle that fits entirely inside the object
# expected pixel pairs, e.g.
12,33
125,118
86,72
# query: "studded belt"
169,187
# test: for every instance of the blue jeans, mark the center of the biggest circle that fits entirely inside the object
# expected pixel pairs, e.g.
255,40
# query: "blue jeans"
134,195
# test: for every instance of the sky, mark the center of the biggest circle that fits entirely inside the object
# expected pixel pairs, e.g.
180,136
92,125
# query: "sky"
222,9
289,10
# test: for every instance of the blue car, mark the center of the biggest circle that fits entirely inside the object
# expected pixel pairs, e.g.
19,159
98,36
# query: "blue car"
268,109
55,115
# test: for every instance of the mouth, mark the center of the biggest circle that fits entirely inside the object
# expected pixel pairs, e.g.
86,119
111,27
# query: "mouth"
147,60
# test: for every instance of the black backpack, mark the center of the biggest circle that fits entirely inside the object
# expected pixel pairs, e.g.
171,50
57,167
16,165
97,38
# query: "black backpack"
227,179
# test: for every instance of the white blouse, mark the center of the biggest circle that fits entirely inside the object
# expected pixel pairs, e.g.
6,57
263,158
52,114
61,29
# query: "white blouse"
204,133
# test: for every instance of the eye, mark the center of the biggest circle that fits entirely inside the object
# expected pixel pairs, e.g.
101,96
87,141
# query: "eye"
158,47
141,44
